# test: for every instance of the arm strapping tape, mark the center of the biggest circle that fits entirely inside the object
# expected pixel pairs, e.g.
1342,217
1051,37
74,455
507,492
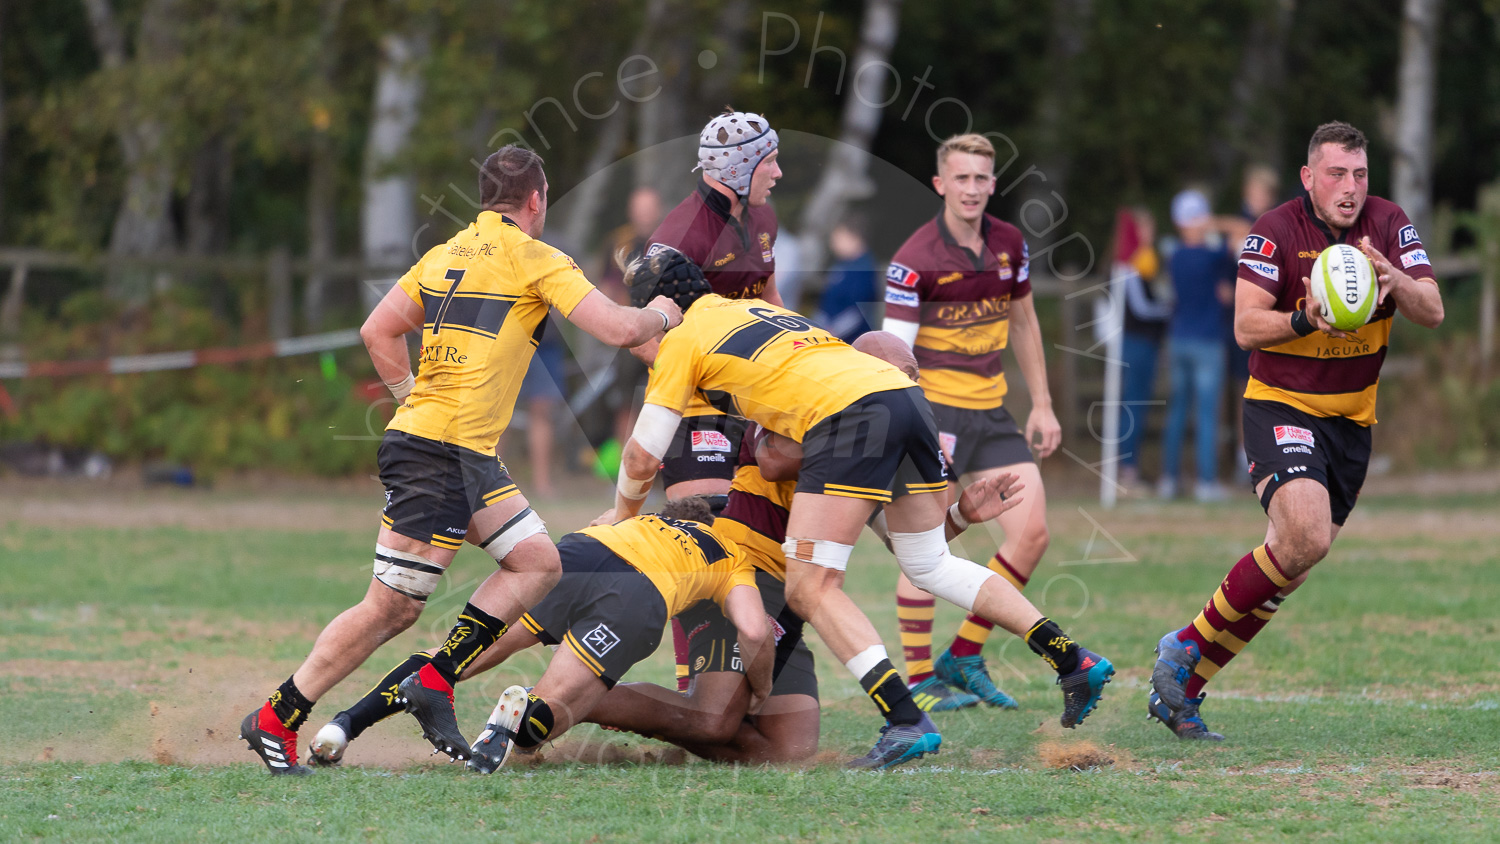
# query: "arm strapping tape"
654,429
905,329
401,389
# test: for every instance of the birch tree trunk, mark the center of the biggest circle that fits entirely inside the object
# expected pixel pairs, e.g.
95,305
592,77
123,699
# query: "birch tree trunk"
846,174
388,218
1416,104
143,225
664,116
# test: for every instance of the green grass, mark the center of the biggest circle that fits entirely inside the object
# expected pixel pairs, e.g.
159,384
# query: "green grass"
1367,710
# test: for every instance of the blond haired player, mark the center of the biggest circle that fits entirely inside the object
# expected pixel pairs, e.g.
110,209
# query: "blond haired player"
959,292
480,301
868,438
1308,407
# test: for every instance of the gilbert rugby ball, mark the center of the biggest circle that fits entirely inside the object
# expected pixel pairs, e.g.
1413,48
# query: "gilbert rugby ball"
1343,284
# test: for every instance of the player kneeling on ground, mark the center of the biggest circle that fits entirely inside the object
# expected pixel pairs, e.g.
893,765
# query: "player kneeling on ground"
620,583
868,438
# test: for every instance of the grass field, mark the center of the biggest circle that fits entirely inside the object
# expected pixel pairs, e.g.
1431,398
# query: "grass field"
138,628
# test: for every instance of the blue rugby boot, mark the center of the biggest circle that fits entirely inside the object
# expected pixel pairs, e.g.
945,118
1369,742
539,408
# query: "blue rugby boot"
969,674
933,695
1083,687
901,743
1175,661
1186,723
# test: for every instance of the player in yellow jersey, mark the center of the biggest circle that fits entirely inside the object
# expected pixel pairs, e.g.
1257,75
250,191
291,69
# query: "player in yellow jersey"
480,301
620,583
868,438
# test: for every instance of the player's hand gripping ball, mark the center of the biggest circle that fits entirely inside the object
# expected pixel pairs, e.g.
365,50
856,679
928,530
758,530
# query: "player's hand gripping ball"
1343,283
665,271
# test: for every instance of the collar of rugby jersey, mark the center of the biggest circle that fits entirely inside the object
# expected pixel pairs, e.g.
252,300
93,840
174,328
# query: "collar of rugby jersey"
1312,214
723,206
977,259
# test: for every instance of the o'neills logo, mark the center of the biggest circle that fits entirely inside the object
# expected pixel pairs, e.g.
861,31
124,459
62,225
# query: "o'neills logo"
985,310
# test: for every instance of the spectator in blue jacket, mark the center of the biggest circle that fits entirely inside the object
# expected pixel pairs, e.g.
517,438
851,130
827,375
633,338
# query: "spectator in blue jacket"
853,285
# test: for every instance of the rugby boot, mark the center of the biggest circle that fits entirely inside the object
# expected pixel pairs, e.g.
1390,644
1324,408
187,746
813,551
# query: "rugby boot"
900,743
970,674
1186,723
274,744
1083,687
328,746
933,695
429,698
494,745
1175,661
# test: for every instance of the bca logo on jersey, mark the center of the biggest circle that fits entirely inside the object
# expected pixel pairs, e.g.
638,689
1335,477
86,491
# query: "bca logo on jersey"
601,640
901,276
1406,237
710,441
1292,434
1258,245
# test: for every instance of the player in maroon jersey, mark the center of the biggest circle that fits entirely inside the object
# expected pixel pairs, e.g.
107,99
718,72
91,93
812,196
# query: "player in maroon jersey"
956,291
727,227
1309,405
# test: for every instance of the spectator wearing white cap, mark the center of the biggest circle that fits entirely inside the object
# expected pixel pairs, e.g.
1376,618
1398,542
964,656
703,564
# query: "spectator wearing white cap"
1202,279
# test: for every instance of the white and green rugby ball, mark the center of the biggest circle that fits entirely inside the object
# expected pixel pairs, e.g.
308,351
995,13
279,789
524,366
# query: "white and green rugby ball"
1343,284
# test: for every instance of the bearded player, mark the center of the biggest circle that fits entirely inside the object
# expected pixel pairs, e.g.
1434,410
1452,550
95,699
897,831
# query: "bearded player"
1309,405
959,292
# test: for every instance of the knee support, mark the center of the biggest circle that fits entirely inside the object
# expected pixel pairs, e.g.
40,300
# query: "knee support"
928,564
521,526
412,575
819,552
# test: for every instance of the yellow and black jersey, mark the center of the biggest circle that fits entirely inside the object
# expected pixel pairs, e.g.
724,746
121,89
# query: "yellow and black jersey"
687,561
756,514
484,296
767,364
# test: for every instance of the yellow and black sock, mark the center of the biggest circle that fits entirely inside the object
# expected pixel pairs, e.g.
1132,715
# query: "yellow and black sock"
475,631
536,723
884,685
290,706
379,703
1048,641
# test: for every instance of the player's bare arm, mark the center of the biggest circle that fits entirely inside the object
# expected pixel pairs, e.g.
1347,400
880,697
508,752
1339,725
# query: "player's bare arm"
747,613
1257,323
384,334
1419,299
639,461
1043,431
771,294
621,326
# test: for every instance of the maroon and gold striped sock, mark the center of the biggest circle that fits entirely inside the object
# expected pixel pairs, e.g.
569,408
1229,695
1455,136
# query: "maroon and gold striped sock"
1228,644
915,615
680,651
1253,581
975,631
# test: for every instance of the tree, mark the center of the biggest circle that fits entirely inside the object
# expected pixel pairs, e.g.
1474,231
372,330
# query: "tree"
388,220
1416,103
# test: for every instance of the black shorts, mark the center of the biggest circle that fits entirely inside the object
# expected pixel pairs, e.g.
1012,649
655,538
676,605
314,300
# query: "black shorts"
703,447
713,642
605,611
975,440
882,446
433,488
1283,443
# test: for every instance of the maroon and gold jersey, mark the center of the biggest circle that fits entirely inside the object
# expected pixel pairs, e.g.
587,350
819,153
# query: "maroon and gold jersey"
735,255
961,301
1320,374
755,517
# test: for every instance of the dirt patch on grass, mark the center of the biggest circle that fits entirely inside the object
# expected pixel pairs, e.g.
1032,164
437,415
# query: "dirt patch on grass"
1074,755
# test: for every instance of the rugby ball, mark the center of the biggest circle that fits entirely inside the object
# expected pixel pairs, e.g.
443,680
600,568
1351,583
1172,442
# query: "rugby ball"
1344,286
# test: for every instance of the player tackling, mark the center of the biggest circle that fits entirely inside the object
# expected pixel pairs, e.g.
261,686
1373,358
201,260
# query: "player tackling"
1308,407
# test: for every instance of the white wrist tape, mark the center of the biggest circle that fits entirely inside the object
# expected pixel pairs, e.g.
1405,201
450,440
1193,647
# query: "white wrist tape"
654,429
959,522
905,329
927,563
866,659
522,525
412,575
631,489
818,552
401,389
666,321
